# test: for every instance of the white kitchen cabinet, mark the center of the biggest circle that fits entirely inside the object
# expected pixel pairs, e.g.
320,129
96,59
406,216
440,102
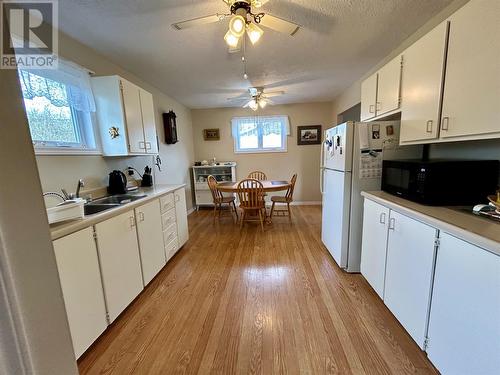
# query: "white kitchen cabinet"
472,82
464,327
126,117
120,261
181,216
381,92
148,119
389,87
368,97
133,117
80,277
408,276
422,81
150,235
373,252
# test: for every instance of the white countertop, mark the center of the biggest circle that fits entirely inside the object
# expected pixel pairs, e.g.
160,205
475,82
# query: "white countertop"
59,230
476,230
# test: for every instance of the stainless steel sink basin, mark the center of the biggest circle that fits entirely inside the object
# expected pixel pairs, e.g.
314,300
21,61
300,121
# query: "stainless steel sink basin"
118,199
91,208
107,203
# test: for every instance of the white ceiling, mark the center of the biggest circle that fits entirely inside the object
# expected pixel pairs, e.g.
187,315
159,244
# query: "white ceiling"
340,41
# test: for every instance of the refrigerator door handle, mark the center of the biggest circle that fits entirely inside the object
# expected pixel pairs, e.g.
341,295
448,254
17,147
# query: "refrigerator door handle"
321,176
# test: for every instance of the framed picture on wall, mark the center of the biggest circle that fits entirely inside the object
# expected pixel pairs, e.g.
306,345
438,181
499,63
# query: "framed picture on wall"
211,134
309,135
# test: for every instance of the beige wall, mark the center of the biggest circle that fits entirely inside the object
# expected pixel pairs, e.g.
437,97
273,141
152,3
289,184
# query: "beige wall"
57,172
303,160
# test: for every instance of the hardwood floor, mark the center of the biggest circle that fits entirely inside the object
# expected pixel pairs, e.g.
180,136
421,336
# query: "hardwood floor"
234,302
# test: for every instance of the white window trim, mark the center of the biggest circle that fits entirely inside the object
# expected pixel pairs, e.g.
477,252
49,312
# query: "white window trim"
85,124
284,137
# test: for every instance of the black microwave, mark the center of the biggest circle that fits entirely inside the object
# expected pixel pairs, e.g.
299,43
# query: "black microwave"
441,182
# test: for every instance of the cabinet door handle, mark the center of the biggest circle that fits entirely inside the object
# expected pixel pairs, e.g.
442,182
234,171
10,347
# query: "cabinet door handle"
148,146
445,123
142,145
132,222
372,108
429,126
379,106
177,198
141,216
382,218
392,223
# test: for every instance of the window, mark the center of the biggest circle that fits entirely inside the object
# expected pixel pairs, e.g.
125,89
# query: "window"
58,105
260,134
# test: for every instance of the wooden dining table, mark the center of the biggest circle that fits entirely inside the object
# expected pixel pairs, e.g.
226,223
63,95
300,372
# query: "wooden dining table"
270,186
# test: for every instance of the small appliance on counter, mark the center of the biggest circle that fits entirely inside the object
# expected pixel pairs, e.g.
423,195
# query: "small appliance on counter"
117,183
440,182
147,178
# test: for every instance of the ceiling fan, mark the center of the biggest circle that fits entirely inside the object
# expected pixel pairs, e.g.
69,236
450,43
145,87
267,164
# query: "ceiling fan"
258,98
243,20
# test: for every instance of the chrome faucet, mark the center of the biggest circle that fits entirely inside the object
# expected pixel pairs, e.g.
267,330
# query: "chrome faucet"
80,184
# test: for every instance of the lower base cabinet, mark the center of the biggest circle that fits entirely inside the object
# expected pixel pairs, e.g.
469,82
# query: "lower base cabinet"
102,269
150,234
374,248
408,275
120,262
80,277
181,216
464,327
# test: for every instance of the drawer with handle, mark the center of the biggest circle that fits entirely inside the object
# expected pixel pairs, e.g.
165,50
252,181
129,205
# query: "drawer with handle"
170,234
171,248
168,218
167,202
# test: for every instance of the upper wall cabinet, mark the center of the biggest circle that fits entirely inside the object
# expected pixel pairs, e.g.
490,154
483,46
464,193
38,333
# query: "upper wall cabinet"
451,79
423,75
126,117
472,83
380,93
368,97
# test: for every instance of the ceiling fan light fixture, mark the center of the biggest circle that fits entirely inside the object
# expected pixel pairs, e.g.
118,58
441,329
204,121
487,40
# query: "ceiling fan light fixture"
254,32
237,25
254,105
231,39
263,103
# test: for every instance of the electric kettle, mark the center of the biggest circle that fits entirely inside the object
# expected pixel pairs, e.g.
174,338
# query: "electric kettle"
117,183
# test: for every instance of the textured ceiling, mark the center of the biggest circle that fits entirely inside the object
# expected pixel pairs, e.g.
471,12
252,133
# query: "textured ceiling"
340,41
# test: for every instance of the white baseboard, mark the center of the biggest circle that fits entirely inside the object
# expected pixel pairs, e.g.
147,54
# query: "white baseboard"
301,203
191,210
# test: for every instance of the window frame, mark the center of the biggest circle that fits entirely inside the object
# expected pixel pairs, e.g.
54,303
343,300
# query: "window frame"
261,149
84,126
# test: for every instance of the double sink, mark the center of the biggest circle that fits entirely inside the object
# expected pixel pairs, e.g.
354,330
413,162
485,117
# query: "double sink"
107,203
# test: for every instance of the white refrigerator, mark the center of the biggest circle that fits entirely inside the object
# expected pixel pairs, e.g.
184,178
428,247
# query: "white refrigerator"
351,162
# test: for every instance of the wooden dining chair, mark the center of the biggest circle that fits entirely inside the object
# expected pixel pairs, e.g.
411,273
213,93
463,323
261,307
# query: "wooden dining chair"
219,199
287,199
257,175
251,197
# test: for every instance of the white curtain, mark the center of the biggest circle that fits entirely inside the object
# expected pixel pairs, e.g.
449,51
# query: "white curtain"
67,85
236,121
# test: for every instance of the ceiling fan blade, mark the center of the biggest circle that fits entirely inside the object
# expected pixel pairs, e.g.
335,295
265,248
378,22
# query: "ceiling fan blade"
248,104
258,3
198,21
238,99
279,24
273,94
